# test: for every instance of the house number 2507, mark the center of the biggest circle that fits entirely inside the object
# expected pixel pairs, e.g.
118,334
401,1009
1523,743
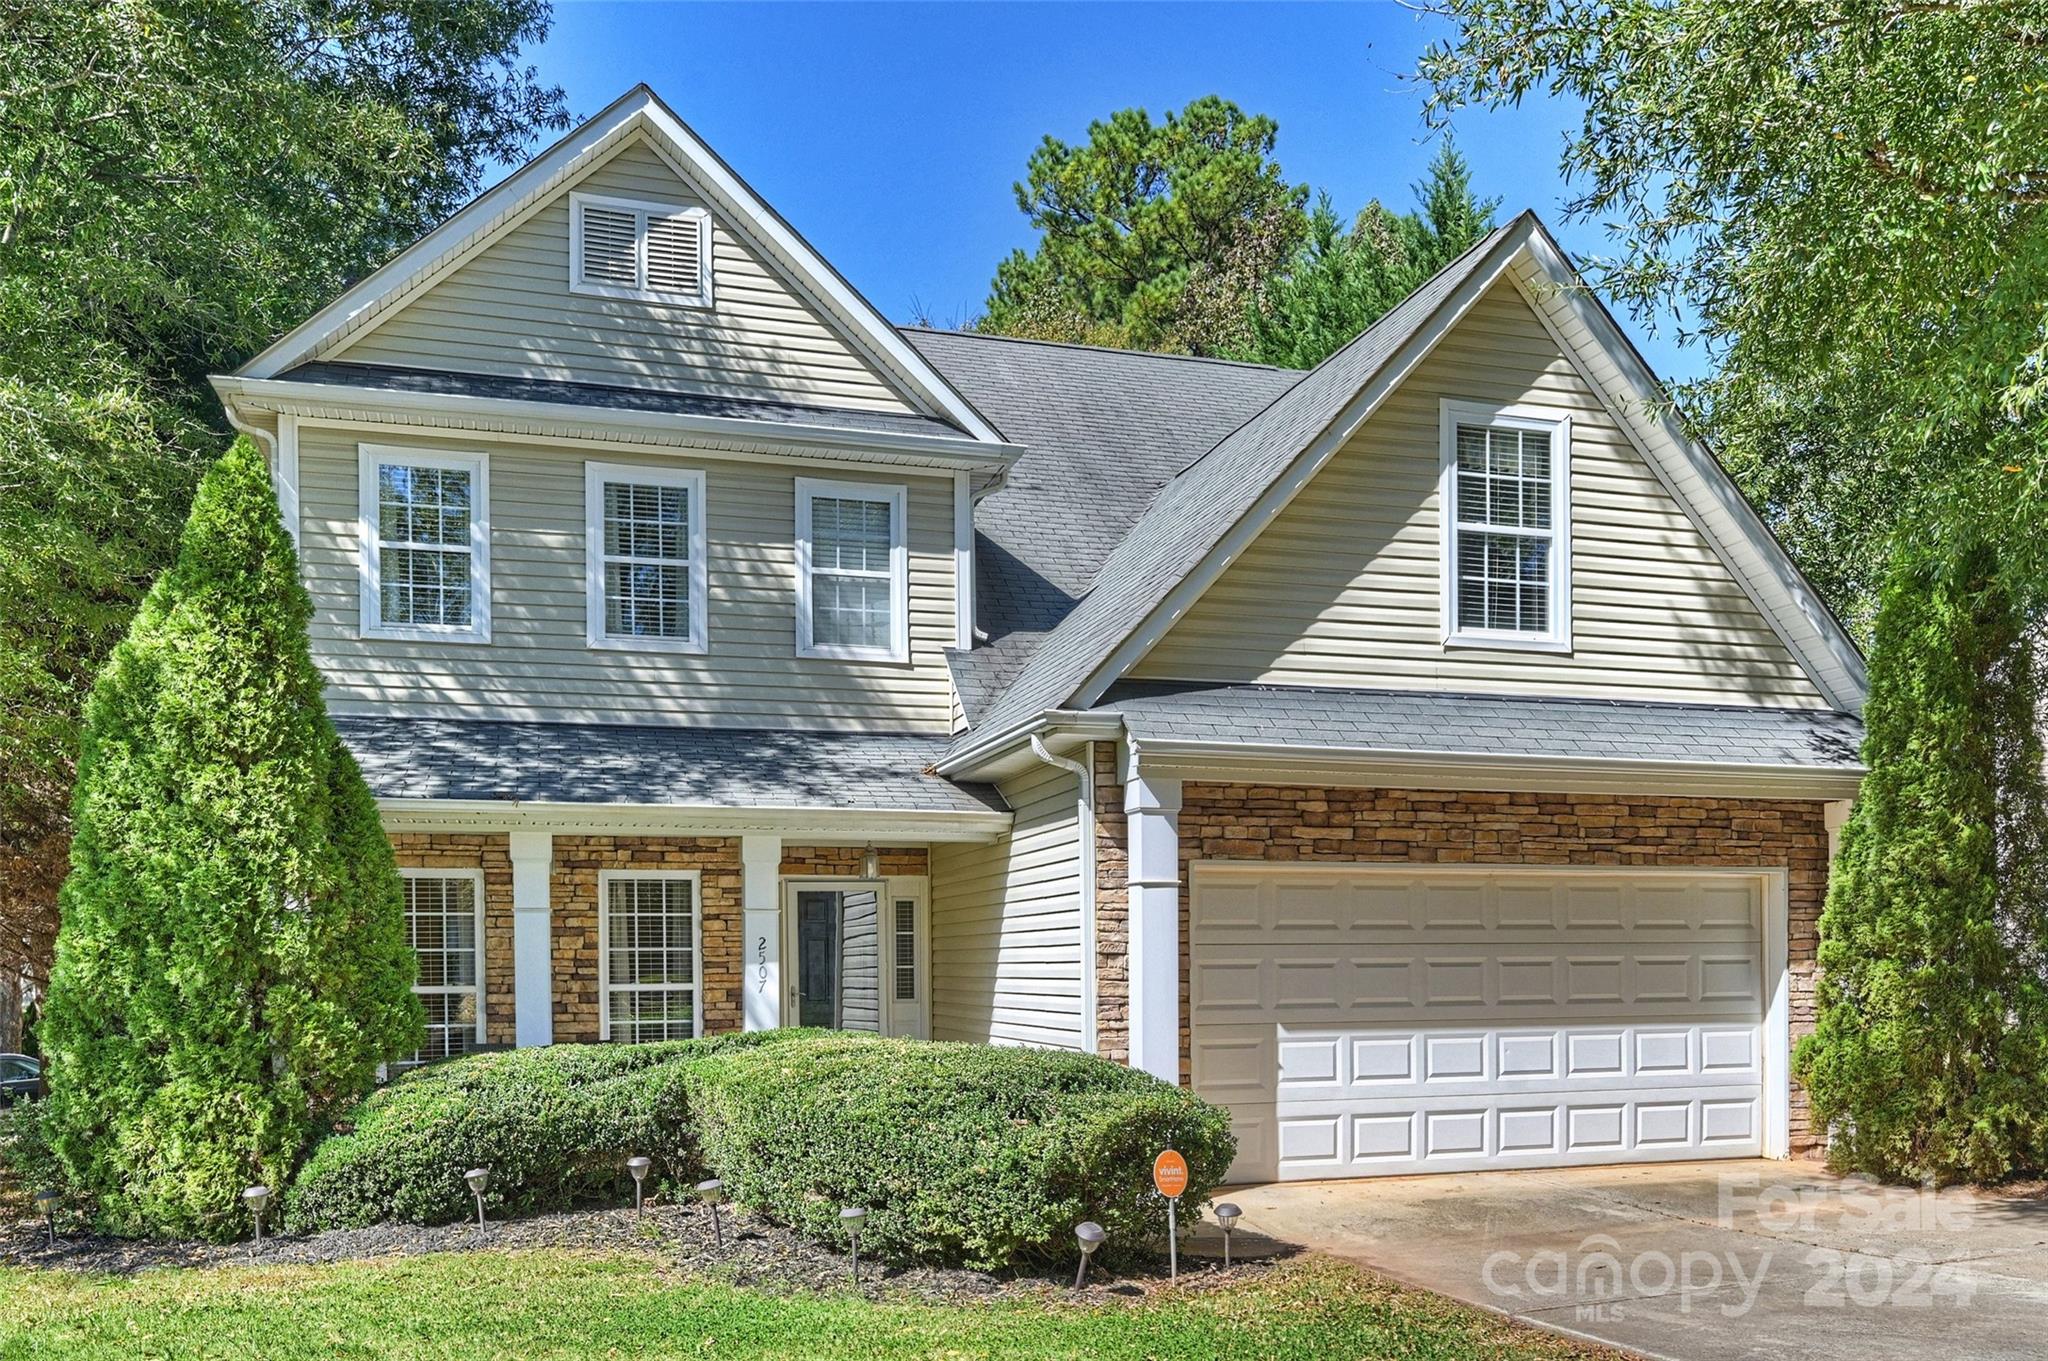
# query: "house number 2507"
761,965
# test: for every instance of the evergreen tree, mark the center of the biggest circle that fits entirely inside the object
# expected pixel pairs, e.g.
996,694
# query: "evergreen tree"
232,965
1340,282
1930,1059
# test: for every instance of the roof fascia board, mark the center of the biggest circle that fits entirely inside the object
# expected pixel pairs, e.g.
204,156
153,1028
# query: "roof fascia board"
1394,768
940,451
696,819
466,232
1385,380
1796,611
1059,729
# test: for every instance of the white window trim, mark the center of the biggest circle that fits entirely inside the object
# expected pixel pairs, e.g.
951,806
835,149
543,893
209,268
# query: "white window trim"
478,465
476,878
595,475
809,489
1558,636
645,209
604,941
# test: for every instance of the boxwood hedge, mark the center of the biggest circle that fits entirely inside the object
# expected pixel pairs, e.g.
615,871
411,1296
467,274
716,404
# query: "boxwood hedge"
961,1153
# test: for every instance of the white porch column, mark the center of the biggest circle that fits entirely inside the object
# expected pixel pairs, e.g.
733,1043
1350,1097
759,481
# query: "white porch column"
533,985
761,913
1152,806
1835,814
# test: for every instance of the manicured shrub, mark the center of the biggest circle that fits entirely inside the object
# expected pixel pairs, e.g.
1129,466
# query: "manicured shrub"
961,1153
232,965
554,1125
1930,1058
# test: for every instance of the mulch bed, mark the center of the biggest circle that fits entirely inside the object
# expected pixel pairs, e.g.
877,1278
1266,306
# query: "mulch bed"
754,1253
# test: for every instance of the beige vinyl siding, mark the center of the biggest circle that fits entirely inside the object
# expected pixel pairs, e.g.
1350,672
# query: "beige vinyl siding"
539,665
510,311
1006,924
1344,588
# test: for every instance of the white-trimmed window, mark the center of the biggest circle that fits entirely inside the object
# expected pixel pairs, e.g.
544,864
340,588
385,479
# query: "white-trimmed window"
649,969
1505,493
426,544
444,925
628,248
852,589
646,580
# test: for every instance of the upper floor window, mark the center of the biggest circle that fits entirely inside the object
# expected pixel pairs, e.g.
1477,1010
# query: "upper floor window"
426,545
853,597
1505,493
625,248
645,532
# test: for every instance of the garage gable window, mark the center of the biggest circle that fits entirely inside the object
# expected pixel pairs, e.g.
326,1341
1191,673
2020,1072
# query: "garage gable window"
1505,497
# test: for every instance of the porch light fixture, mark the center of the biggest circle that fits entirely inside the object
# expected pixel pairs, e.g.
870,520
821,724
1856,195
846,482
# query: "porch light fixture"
870,862
256,1197
1226,1219
46,1201
711,1191
850,1219
638,1167
1089,1235
478,1178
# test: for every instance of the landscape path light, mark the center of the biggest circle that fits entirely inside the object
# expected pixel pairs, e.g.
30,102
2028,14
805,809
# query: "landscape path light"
850,1219
1089,1235
711,1190
46,1201
256,1197
1226,1218
638,1167
478,1178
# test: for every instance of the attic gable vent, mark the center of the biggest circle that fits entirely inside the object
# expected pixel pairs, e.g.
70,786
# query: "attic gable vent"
622,248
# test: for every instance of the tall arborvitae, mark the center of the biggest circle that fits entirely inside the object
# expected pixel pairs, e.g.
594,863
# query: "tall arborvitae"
1931,1055
232,965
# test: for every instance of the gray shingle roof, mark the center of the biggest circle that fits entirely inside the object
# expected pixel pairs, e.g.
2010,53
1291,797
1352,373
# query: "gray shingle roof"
1489,725
1200,506
391,378
426,758
1104,431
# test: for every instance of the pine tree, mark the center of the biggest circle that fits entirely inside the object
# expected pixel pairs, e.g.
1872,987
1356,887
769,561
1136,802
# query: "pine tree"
232,965
1930,1058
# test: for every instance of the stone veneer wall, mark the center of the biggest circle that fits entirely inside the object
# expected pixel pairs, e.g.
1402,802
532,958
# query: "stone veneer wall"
573,891
1293,823
1112,910
493,854
843,862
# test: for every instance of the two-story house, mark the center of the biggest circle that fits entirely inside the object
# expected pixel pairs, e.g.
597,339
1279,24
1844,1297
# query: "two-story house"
1430,757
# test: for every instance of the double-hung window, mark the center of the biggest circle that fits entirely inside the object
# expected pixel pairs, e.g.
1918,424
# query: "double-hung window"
1505,493
645,532
853,597
426,544
625,248
647,950
444,924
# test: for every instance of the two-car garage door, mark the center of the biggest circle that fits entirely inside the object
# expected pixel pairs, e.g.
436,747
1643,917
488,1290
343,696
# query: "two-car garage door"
1360,1019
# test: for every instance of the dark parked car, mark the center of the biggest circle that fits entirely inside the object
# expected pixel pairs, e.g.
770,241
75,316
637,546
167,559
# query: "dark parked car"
20,1076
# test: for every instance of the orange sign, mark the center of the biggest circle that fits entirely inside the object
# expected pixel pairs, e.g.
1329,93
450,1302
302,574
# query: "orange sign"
1170,1174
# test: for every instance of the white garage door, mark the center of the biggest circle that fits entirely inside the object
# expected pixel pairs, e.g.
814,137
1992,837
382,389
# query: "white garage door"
1360,1020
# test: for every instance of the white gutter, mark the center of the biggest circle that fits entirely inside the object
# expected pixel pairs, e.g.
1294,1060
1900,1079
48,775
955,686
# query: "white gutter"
697,819
941,451
1093,725
1084,771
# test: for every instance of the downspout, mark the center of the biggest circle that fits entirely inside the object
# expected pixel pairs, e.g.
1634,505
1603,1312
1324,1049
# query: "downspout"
263,437
1085,773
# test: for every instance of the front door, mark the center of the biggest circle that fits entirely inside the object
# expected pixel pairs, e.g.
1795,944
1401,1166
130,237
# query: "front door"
836,954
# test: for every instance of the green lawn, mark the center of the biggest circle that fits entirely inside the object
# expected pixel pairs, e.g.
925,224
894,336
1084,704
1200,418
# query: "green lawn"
549,1304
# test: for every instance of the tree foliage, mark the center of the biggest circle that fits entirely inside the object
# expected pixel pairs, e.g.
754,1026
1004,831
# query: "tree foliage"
1152,236
1340,282
1930,1059
1849,197
233,964
180,180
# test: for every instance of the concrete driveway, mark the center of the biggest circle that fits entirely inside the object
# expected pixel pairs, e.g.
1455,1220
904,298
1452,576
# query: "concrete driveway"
1699,1261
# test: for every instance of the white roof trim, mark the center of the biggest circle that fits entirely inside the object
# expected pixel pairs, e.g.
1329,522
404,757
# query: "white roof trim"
639,108
827,825
497,414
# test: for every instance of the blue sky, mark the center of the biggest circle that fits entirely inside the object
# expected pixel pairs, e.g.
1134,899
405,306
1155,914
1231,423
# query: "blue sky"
890,134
